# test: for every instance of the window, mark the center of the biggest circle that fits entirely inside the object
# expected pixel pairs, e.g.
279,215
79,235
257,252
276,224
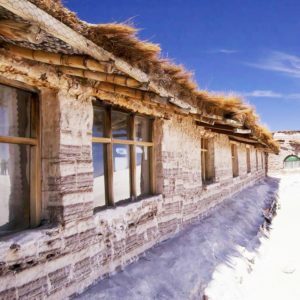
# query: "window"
256,159
235,162
207,161
19,159
122,156
262,160
248,160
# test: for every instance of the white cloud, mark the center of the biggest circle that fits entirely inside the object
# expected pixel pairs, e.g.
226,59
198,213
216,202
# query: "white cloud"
262,94
280,62
224,51
227,51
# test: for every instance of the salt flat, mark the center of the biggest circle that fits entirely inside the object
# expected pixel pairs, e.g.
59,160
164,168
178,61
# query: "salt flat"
274,272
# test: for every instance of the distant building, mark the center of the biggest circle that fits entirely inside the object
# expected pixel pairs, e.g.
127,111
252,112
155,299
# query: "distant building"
289,154
108,149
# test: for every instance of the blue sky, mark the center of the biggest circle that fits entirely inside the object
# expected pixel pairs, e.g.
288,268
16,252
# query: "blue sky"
251,47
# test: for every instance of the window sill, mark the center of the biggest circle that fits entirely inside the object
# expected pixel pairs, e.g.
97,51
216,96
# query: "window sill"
123,206
210,186
29,243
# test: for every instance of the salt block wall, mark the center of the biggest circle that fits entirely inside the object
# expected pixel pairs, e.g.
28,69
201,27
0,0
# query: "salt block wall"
75,246
289,145
184,197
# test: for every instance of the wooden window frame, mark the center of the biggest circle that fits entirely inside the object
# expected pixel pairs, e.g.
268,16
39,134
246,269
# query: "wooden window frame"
256,159
35,146
248,159
234,160
204,162
108,141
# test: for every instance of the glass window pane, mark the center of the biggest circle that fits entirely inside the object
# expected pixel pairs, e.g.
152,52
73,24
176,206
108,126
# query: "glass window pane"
99,183
142,170
14,112
120,125
121,179
142,129
98,124
14,187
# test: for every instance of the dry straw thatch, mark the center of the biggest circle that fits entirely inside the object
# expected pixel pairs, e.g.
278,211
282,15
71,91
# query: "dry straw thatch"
122,41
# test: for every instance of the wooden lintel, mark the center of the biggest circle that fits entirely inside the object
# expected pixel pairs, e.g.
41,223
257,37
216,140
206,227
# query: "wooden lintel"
243,140
180,103
215,126
232,122
242,131
205,121
227,131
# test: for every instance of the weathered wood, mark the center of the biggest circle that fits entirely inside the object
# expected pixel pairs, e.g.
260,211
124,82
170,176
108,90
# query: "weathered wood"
102,77
180,104
243,140
117,141
18,84
35,172
215,126
226,129
152,156
205,120
237,136
108,157
18,140
242,131
75,61
132,150
20,32
130,92
101,140
232,122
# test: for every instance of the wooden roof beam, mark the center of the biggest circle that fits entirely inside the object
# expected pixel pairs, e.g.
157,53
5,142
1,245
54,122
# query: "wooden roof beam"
230,133
103,77
243,140
225,128
74,61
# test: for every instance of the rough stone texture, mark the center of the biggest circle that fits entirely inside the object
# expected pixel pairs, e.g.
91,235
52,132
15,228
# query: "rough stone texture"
289,145
75,246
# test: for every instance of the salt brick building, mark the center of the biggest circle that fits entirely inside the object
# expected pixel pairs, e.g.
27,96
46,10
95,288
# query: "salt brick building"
289,154
105,149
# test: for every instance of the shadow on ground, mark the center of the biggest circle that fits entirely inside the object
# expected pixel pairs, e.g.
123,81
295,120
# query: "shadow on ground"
182,267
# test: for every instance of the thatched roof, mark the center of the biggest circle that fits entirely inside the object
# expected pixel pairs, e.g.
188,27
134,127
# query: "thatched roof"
121,40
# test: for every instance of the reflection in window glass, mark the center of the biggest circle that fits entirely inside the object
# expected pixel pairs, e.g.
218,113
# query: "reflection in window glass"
121,179
99,183
14,112
120,125
98,125
142,170
142,129
14,187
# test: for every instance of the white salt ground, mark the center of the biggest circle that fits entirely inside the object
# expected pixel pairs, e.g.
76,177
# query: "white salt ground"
275,273
226,255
